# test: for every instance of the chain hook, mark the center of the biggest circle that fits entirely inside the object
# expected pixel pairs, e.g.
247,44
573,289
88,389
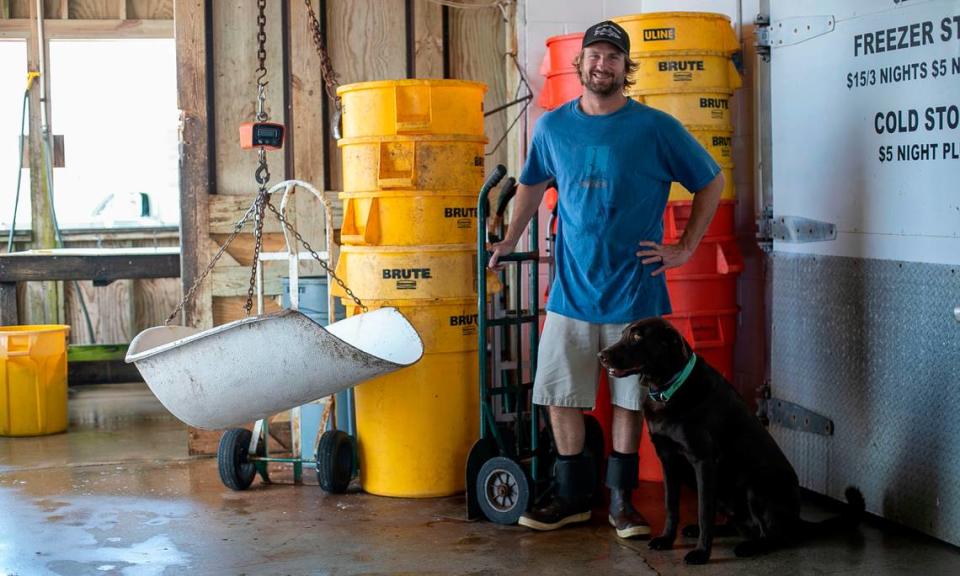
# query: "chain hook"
262,174
262,115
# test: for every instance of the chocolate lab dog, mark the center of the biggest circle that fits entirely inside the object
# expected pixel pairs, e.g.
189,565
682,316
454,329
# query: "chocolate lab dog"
696,419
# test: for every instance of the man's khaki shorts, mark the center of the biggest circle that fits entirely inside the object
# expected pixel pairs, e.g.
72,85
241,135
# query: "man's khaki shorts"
568,367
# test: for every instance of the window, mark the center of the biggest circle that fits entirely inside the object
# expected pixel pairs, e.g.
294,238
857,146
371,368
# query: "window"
13,67
115,103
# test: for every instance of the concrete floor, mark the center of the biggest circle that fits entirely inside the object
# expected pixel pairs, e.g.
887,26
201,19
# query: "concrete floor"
118,494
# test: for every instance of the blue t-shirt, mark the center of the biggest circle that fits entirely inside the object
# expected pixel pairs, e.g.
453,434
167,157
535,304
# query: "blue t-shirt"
613,174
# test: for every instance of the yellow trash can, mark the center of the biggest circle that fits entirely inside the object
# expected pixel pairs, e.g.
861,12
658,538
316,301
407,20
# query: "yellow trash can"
395,107
408,218
435,163
657,32
415,428
33,380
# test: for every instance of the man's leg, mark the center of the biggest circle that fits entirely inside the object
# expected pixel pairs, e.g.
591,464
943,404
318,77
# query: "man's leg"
626,430
568,429
623,466
565,382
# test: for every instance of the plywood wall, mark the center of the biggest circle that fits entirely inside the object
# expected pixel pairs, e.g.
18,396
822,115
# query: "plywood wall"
477,52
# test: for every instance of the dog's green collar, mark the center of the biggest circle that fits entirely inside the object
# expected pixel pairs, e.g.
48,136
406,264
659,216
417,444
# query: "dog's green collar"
675,383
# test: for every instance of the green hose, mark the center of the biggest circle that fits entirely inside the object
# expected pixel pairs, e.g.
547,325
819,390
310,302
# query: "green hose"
16,197
53,213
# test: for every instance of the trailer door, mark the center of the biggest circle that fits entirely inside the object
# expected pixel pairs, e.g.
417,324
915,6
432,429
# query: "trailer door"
860,147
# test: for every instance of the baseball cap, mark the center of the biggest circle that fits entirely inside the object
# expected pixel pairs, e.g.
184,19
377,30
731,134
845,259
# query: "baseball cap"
607,31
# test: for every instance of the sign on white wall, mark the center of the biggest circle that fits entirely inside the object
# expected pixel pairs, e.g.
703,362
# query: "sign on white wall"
866,126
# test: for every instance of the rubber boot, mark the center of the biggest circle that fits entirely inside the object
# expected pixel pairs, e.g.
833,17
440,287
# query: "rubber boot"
571,502
622,473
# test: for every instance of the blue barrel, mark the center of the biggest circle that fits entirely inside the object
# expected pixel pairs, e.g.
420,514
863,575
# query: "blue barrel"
313,304
313,298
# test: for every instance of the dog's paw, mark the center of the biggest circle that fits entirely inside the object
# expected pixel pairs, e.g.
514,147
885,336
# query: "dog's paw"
661,543
691,531
696,556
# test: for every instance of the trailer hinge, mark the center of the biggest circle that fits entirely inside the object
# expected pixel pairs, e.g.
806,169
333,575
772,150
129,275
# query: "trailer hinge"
765,230
762,36
791,416
789,31
797,229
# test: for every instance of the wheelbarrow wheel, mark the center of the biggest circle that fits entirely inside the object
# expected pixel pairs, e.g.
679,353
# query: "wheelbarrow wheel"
233,460
503,491
335,461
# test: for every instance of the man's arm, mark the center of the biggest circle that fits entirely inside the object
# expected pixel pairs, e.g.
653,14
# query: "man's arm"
525,205
705,204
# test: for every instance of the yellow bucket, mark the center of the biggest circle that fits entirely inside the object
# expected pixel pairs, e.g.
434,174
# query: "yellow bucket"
411,218
410,272
670,31
33,377
719,143
443,325
699,109
416,426
396,107
685,72
678,192
412,163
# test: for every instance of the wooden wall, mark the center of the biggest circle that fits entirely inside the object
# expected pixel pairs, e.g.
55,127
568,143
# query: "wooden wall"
367,40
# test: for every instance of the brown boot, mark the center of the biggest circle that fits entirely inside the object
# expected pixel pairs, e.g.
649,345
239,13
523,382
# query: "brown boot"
624,517
570,503
622,477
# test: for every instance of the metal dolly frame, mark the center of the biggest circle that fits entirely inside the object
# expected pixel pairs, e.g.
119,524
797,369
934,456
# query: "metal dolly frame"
243,454
509,469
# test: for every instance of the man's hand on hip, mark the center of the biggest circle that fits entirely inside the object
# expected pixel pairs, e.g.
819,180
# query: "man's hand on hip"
668,255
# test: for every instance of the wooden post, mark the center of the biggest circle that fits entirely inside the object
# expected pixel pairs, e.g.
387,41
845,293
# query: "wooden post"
8,304
44,299
190,21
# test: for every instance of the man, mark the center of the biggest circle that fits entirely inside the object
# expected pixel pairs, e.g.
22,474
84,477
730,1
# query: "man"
614,160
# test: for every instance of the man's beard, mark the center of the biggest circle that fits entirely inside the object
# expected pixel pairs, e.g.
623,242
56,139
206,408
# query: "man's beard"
592,85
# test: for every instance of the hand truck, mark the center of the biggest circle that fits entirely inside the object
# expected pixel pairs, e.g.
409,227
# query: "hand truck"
510,468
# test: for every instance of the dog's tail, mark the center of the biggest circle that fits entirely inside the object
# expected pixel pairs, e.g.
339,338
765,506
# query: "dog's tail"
847,520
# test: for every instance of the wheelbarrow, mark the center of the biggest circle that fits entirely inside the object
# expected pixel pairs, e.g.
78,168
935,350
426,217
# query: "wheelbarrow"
251,368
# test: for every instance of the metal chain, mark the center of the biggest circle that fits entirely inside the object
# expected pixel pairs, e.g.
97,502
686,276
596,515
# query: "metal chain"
261,70
330,78
262,198
316,257
196,283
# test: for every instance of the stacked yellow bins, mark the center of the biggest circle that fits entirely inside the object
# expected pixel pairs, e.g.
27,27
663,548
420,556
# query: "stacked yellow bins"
33,380
412,167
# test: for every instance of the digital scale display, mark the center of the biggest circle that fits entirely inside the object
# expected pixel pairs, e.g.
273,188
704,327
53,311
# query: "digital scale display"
261,134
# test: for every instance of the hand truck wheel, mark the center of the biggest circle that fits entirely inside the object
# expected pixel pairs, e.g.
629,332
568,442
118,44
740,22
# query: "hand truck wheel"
503,491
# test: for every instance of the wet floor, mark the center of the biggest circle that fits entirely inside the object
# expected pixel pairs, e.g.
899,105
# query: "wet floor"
118,494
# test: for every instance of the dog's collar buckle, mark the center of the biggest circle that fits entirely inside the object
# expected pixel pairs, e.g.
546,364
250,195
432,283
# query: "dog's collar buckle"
675,383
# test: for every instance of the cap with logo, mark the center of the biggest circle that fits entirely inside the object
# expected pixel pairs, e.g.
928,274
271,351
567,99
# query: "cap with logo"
607,31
